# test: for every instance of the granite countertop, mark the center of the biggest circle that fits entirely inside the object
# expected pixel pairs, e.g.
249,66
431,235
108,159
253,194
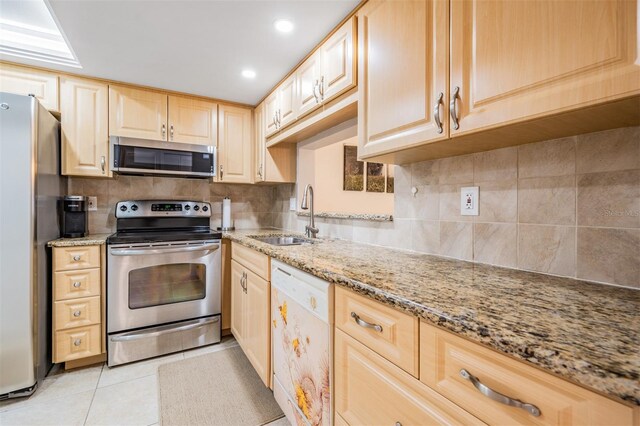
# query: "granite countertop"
584,332
91,240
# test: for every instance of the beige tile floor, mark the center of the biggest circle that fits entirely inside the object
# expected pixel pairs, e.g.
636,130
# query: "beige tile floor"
98,395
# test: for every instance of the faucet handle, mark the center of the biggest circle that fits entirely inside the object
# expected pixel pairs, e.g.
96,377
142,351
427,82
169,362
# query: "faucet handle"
311,231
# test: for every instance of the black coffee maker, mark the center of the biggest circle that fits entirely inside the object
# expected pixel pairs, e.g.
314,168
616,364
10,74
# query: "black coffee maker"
74,221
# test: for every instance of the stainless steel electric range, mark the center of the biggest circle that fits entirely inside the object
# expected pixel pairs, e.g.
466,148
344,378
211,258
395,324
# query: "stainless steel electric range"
163,280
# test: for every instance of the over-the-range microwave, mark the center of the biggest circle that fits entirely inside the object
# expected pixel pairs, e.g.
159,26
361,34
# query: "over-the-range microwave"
131,156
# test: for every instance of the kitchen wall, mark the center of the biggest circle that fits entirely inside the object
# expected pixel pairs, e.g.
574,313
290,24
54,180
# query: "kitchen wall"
568,207
251,205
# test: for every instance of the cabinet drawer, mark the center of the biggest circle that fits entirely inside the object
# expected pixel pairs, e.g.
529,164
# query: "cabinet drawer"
77,343
397,340
68,258
443,356
252,259
76,313
76,284
370,390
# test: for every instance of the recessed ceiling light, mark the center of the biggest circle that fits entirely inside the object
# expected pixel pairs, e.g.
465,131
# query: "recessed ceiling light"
283,25
248,74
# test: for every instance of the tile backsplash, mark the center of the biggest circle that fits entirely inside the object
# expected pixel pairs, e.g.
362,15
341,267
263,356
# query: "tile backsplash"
251,205
568,207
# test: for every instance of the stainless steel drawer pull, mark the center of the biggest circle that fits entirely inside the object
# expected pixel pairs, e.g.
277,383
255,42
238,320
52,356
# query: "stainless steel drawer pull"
453,111
77,284
436,112
76,257
77,342
497,396
363,323
77,314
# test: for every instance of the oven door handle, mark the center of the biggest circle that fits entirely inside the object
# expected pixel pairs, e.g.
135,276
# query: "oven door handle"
137,335
153,250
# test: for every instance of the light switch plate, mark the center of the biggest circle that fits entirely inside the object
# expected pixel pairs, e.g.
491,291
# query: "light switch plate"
93,204
469,200
292,203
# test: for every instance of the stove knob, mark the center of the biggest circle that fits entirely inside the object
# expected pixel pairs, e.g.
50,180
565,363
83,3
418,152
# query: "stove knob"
134,207
123,208
205,208
196,207
187,207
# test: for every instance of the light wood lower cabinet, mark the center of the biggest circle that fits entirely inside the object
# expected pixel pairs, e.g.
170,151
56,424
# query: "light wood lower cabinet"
369,390
235,145
84,108
251,313
26,81
444,357
78,303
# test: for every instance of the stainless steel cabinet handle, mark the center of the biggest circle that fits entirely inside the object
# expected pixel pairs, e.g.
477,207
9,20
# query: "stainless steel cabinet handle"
321,88
164,131
103,162
279,123
315,87
171,131
436,112
275,120
76,284
221,172
283,271
497,396
363,323
260,171
77,314
453,109
76,257
77,342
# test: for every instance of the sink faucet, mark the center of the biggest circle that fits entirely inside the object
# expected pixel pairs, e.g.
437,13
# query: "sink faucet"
310,230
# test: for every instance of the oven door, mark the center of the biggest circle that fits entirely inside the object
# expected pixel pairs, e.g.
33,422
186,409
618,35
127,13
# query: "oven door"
155,284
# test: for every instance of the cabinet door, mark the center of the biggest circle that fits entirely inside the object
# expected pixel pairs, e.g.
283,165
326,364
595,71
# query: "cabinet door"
235,153
259,143
287,111
518,60
84,106
193,121
402,69
24,81
137,113
257,338
270,112
308,77
237,301
338,64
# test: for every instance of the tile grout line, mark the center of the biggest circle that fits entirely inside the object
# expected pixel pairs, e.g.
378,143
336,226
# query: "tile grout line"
86,417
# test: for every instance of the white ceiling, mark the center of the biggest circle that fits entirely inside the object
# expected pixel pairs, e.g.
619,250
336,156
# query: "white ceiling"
192,46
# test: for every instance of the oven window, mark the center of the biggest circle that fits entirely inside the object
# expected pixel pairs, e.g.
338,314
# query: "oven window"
165,284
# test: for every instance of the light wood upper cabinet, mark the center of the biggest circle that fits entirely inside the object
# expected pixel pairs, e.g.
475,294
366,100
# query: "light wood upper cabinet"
276,164
287,93
137,113
193,121
402,70
308,77
25,81
259,143
84,108
517,60
338,65
270,114
235,150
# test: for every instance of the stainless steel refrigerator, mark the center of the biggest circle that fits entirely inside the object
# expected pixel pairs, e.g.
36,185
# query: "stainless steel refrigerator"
30,185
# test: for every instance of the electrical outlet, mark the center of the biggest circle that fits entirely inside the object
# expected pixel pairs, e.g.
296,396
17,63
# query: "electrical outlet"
469,200
93,204
292,204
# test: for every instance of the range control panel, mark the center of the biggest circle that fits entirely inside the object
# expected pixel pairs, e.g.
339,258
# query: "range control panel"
162,208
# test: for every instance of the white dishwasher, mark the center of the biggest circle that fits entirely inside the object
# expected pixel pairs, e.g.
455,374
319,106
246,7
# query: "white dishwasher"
302,315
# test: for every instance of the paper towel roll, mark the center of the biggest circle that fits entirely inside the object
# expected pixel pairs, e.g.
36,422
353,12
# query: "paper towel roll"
226,212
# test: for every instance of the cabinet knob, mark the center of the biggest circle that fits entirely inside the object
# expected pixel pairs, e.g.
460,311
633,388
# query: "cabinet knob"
77,284
77,313
77,257
77,342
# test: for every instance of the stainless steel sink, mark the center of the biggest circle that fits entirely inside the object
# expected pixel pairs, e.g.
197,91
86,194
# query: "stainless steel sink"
283,241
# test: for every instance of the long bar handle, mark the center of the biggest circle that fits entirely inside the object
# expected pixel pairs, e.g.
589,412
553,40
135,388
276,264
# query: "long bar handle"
363,323
137,335
436,112
152,250
453,110
497,396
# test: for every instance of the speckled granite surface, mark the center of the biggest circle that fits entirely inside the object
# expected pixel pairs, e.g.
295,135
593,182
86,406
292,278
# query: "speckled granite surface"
587,333
91,240
353,216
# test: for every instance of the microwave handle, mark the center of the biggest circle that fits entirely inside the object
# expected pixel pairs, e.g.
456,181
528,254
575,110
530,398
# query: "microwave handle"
155,250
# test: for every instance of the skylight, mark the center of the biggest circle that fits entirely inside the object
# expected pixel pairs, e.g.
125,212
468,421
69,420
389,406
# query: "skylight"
29,30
